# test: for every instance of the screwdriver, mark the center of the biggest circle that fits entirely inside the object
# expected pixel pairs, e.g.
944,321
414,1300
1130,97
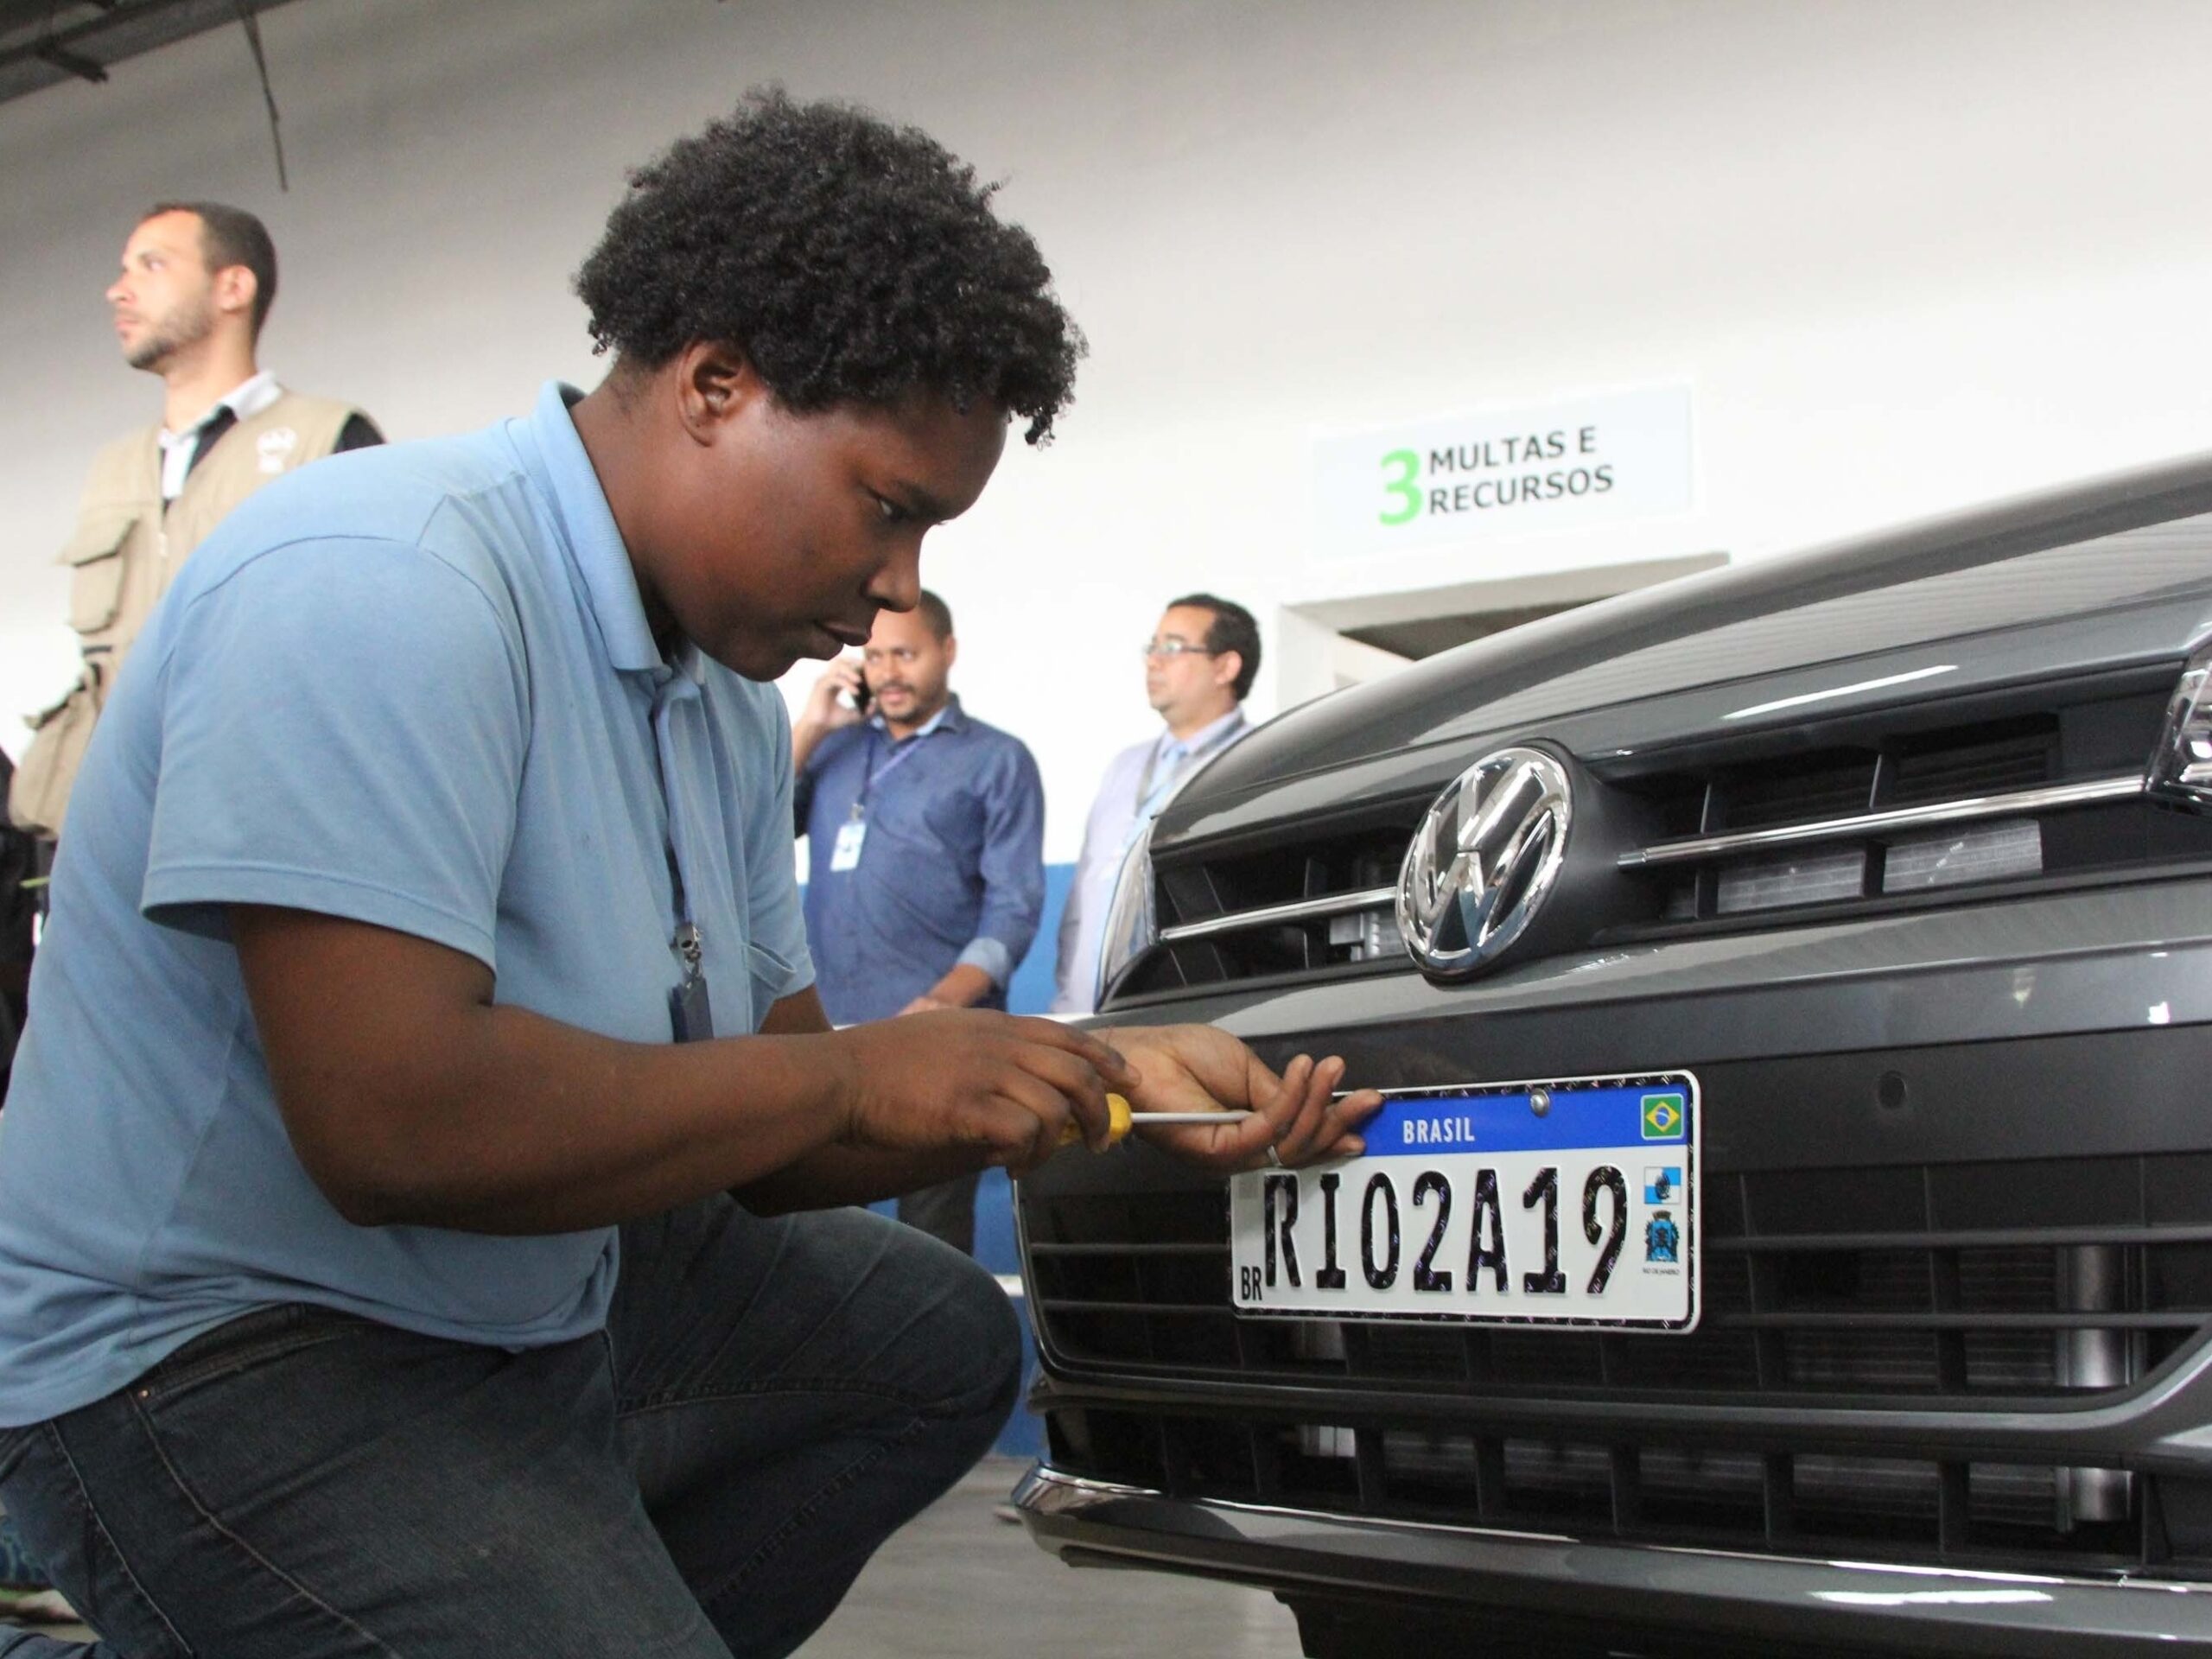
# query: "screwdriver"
1120,1120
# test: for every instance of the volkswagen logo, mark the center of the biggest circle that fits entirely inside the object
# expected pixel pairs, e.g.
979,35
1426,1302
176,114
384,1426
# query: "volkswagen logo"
1483,859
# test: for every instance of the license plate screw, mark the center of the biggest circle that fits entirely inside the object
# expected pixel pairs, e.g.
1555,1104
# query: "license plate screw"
1540,1102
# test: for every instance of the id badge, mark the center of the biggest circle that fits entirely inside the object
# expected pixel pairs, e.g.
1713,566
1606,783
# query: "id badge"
690,1014
846,854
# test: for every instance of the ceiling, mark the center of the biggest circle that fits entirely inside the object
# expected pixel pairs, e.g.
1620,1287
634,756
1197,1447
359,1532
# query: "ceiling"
45,42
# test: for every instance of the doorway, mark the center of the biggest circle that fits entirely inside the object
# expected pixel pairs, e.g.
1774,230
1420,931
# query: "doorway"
1327,645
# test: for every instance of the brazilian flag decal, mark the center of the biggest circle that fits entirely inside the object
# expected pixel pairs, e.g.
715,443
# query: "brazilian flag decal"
1663,1116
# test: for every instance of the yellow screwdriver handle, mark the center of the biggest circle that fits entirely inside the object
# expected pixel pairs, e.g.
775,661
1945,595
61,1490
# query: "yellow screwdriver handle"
1117,1123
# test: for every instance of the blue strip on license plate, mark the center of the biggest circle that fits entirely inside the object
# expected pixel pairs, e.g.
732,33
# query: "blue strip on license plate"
1571,1118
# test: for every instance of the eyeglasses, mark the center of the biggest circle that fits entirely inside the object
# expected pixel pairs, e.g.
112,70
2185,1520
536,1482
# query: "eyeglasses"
1175,648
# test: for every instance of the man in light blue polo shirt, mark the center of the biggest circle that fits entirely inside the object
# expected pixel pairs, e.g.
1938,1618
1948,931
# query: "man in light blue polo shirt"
414,1184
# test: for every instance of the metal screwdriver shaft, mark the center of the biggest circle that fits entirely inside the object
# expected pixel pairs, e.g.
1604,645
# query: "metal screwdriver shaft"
1120,1120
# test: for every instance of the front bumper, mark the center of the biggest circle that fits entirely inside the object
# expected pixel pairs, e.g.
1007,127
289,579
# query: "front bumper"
1925,1138
1661,1594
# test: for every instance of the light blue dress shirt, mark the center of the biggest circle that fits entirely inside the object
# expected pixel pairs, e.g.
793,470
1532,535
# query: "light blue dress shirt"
413,687
1139,782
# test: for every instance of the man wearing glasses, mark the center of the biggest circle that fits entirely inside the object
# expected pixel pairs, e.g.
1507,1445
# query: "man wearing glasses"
1199,667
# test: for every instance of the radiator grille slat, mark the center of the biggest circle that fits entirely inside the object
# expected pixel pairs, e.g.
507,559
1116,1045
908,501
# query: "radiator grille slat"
1989,1514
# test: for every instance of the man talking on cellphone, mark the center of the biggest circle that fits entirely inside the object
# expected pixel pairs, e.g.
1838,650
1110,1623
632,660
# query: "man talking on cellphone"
925,830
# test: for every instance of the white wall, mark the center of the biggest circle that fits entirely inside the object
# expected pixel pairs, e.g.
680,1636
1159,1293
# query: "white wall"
1910,255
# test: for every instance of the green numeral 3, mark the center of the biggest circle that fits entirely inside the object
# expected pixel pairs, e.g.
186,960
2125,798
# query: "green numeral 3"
1402,486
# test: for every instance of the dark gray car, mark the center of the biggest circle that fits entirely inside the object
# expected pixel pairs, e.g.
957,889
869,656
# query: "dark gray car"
1794,1226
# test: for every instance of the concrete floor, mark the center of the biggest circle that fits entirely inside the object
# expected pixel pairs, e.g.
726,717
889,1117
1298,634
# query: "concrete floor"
961,1584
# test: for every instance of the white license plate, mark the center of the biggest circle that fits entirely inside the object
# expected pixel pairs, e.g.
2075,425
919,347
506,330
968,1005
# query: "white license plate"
1572,1202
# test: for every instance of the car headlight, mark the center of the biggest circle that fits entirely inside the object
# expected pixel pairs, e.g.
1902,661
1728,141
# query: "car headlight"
1132,925
2181,767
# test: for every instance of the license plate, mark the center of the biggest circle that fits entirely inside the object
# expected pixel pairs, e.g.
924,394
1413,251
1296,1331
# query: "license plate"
1572,1202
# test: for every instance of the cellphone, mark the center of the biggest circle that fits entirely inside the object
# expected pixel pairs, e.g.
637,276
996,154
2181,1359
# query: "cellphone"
859,697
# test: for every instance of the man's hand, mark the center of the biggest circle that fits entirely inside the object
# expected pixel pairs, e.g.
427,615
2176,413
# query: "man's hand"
834,702
827,709
1199,1069
963,988
970,1078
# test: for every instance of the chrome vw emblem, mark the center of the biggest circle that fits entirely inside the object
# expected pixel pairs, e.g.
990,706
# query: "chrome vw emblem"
1483,859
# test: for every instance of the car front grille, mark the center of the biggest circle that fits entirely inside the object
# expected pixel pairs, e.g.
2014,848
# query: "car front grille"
1318,903
2051,795
1978,1289
1939,801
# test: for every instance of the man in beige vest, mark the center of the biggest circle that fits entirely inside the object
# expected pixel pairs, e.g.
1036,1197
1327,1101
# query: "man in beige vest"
197,281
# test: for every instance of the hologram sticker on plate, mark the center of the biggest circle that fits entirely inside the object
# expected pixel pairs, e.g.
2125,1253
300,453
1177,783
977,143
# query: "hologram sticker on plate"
1572,1202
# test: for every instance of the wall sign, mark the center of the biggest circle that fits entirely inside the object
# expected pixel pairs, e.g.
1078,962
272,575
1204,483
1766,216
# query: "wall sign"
1504,473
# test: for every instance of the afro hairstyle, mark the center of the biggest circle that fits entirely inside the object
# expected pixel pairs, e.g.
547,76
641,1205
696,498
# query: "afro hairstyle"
849,260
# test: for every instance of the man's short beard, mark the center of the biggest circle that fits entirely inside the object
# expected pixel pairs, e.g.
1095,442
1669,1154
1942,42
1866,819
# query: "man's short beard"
151,353
187,327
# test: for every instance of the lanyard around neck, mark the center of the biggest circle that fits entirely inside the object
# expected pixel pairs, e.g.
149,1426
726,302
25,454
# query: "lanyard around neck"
871,774
687,942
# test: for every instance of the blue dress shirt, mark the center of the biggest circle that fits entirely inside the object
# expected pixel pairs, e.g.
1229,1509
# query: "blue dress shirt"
951,869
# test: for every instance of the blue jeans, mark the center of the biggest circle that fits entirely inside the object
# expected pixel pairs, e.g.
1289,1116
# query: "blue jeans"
946,1211
770,1401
